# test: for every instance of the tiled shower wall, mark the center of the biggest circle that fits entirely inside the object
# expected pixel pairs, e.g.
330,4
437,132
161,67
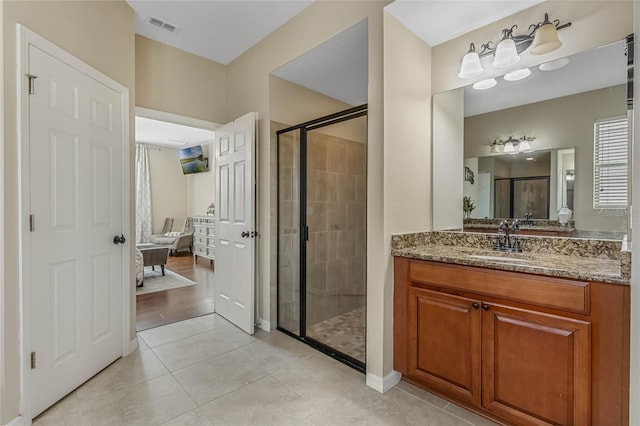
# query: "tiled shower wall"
336,216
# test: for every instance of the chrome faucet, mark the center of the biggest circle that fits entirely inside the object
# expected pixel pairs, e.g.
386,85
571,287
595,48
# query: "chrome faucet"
506,231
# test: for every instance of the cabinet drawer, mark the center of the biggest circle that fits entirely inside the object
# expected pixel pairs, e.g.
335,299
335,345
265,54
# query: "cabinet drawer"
211,230
200,250
569,295
200,230
200,240
211,242
211,253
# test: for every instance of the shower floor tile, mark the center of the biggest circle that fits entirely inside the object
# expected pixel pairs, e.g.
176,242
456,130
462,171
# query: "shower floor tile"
345,332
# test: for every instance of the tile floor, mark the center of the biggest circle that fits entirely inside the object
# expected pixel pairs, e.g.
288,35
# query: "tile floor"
205,371
345,332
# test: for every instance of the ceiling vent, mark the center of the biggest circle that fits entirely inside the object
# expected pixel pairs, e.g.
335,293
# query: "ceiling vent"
163,25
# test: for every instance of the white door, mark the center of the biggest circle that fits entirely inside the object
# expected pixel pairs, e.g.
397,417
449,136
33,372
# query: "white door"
75,195
235,221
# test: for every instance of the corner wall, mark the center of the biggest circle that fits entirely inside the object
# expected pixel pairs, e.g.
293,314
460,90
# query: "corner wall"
407,162
175,81
100,33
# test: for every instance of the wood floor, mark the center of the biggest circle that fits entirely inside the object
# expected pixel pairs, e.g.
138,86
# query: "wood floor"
165,307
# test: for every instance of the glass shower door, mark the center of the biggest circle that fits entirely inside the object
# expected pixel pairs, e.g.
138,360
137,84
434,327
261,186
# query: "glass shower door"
289,236
336,192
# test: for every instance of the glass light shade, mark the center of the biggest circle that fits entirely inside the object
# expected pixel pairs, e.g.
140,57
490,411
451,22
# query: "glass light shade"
509,148
554,65
485,84
517,74
506,54
471,66
495,148
524,146
545,40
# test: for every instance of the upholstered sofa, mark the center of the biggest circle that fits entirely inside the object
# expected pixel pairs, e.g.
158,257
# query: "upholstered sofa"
139,268
176,241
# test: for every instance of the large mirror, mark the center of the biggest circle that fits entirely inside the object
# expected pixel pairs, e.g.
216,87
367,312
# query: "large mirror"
534,146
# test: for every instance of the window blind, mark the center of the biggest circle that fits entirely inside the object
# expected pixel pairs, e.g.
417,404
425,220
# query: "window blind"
610,167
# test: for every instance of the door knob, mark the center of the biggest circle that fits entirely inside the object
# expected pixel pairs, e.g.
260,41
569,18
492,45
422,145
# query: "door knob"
475,305
485,307
245,234
119,239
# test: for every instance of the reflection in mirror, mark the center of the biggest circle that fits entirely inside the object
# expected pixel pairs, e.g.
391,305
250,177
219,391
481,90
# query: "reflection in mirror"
556,111
522,185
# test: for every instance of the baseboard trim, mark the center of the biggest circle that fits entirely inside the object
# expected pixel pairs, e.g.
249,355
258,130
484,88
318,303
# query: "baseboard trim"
18,421
133,346
383,384
264,325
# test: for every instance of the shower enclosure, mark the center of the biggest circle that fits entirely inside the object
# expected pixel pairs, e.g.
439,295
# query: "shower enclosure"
322,233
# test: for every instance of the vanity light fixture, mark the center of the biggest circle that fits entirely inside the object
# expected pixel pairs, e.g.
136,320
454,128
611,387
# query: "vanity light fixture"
471,66
485,84
543,38
506,53
546,36
518,74
512,145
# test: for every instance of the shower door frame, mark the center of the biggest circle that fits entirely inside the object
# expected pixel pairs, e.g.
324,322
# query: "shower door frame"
303,128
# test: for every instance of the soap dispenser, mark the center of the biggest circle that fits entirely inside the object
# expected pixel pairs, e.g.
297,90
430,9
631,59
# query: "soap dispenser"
564,214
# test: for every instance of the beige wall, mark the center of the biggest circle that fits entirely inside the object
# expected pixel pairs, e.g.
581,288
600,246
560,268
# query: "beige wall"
593,24
448,148
248,90
292,104
406,179
100,33
558,123
172,80
168,188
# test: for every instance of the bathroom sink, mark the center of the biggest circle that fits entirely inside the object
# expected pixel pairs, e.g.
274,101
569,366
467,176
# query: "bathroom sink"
498,258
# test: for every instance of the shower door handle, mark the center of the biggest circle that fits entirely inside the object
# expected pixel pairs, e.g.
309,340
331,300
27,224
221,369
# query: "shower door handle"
306,233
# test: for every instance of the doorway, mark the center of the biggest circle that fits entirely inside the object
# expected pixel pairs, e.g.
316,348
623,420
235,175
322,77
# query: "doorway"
173,213
322,234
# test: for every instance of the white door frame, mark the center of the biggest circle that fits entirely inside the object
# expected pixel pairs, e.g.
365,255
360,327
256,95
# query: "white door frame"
26,38
2,318
175,118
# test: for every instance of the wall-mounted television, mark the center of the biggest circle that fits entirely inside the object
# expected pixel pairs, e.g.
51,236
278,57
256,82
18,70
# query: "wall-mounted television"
192,160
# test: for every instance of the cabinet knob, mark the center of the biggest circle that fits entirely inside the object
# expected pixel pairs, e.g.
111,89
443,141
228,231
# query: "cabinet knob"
485,307
475,305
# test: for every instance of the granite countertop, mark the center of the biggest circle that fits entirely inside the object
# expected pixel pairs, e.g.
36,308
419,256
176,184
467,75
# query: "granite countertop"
596,265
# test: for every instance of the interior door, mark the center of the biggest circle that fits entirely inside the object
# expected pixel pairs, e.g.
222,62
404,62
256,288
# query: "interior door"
76,147
235,222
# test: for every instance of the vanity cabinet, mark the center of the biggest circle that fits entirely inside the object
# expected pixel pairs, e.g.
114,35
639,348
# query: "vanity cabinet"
444,342
519,348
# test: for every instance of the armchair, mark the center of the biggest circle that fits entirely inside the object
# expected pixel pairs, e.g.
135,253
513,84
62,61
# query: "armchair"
176,241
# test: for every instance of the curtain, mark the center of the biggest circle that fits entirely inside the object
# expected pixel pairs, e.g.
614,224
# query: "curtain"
143,195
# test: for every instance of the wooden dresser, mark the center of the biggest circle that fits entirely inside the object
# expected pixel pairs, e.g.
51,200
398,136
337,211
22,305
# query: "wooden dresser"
204,237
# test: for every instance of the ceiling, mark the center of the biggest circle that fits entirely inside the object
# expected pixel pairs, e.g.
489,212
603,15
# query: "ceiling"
214,29
338,68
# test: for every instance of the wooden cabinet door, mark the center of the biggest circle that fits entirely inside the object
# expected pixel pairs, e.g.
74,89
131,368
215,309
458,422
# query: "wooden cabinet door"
536,367
444,343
